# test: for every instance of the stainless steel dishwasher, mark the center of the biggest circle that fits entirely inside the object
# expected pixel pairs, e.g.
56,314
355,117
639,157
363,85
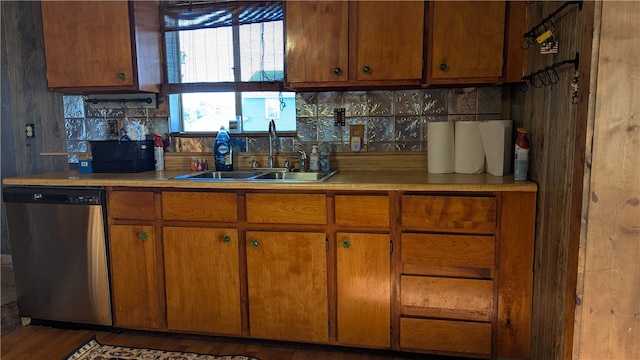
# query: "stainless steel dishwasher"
59,252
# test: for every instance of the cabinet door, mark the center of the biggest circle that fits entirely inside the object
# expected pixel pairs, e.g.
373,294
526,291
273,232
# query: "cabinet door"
465,41
389,39
364,289
133,276
316,40
87,43
202,280
287,281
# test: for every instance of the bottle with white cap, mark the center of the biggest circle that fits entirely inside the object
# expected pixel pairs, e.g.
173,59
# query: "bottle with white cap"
314,159
158,152
521,155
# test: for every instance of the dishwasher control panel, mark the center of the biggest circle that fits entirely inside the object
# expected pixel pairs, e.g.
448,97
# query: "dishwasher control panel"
58,195
84,199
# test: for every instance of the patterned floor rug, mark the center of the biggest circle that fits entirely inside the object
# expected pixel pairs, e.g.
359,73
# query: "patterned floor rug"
11,321
93,350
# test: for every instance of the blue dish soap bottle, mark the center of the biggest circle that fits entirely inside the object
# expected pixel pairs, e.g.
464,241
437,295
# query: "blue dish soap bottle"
222,151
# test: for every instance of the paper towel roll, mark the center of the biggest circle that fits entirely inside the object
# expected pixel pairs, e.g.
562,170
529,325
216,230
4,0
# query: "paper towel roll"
469,152
497,139
440,147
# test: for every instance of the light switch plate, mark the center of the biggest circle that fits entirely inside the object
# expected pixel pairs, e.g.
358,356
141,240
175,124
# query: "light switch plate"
113,131
338,116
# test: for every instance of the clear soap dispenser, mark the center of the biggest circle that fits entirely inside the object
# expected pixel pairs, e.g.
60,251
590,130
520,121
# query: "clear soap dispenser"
314,159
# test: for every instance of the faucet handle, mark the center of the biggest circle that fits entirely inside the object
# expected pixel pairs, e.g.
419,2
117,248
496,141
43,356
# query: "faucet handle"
254,162
286,161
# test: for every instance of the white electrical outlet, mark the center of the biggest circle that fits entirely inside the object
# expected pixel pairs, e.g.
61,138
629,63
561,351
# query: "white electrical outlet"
355,143
356,136
30,131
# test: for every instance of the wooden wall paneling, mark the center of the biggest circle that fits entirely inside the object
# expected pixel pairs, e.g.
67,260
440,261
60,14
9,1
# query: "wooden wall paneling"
7,160
610,305
580,176
345,161
30,101
551,118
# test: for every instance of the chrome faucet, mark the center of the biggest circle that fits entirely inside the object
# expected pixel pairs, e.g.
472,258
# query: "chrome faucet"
272,137
303,160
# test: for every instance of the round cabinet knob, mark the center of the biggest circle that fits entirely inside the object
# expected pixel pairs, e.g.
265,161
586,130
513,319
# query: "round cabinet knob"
122,76
346,244
366,69
337,70
143,236
444,67
226,239
255,243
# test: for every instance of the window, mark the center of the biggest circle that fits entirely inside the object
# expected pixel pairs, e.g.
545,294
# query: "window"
226,59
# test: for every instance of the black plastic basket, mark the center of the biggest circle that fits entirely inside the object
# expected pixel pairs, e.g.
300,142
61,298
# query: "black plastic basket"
113,156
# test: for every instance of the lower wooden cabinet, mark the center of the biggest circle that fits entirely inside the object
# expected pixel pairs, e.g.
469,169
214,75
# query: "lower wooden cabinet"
134,280
319,267
364,289
202,280
287,283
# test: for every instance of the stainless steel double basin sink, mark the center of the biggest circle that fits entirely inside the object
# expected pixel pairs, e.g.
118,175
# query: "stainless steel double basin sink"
263,176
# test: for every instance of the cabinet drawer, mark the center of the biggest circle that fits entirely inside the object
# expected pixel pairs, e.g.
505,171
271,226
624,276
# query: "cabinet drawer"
466,299
474,251
355,210
287,208
200,206
459,337
137,205
449,213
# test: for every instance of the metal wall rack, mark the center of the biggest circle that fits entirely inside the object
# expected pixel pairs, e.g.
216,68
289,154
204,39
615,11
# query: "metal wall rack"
122,100
548,75
531,35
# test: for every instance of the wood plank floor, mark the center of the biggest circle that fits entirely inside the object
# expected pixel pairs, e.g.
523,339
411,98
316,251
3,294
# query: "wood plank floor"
44,343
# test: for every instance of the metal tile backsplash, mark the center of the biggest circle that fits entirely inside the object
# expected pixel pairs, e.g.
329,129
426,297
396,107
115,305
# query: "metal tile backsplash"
394,120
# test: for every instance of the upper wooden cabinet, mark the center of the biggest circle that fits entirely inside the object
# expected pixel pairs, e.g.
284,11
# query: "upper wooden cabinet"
465,42
102,46
356,43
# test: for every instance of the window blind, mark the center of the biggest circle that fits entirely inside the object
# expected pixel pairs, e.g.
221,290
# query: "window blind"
191,15
252,61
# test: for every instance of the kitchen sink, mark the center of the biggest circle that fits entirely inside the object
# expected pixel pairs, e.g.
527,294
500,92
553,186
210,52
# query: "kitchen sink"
217,175
266,176
296,176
